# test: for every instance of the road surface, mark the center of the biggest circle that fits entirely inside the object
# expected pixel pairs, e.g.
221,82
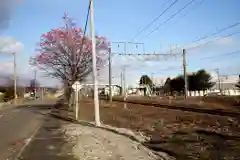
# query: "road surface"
17,125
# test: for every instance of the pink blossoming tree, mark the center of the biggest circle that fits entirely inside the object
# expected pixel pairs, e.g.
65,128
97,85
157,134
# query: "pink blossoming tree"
66,54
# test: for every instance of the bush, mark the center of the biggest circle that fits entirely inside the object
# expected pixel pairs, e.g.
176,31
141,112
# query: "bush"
8,94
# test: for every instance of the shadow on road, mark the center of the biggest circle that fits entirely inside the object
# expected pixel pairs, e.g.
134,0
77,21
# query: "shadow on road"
49,143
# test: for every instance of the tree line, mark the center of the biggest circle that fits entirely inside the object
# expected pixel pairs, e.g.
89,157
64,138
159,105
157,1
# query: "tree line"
200,80
7,90
197,81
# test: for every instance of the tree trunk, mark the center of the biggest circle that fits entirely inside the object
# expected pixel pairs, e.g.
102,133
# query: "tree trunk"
67,93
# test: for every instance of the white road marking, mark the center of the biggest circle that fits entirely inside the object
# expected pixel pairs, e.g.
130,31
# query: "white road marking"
1,115
27,142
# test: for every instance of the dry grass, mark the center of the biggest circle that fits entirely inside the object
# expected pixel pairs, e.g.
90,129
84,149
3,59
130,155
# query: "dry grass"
185,135
227,104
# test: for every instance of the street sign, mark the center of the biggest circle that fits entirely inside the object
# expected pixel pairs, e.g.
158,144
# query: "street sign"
76,86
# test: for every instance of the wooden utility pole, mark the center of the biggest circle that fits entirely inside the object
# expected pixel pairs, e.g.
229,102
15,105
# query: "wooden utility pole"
185,74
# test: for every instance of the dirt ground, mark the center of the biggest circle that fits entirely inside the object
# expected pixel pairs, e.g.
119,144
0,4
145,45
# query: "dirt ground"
184,135
221,103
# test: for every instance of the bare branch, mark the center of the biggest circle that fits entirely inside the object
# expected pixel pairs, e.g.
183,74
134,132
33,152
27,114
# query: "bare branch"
66,54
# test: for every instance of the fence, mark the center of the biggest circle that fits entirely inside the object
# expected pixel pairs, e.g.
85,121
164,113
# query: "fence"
229,92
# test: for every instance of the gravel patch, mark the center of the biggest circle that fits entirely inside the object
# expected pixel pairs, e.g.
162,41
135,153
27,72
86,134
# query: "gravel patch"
95,143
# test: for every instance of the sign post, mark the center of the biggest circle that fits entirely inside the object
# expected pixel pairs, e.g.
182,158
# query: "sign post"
77,87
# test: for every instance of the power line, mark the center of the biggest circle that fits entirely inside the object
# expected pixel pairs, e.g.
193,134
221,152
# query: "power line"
192,9
86,22
83,37
222,55
154,20
85,26
229,35
212,34
170,17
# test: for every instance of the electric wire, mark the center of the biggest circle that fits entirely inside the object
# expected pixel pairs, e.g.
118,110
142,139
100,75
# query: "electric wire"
176,13
153,21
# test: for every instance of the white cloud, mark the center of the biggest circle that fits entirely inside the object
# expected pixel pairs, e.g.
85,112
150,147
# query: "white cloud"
224,78
225,41
6,67
9,45
214,45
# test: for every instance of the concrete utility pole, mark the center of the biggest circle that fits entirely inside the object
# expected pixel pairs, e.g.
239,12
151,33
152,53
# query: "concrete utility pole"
152,74
110,75
124,80
15,77
121,77
95,82
219,81
185,74
42,93
35,83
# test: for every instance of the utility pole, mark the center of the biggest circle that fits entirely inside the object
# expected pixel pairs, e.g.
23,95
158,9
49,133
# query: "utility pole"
110,75
124,80
121,76
219,81
152,81
35,83
185,74
15,77
42,93
95,82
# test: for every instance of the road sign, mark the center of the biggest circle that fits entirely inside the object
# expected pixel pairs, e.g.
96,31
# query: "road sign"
76,86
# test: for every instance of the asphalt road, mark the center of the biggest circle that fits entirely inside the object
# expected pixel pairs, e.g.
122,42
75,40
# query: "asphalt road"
17,125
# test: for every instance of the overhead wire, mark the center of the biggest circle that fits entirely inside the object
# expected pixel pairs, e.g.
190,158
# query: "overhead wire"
85,27
207,36
86,22
192,9
222,55
176,13
154,20
219,31
203,44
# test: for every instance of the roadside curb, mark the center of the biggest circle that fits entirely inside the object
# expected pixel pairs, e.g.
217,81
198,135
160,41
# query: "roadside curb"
141,139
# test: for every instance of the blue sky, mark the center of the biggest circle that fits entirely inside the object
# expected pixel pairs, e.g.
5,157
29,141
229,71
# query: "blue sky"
122,20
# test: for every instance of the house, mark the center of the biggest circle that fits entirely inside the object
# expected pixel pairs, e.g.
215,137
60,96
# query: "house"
228,89
116,90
